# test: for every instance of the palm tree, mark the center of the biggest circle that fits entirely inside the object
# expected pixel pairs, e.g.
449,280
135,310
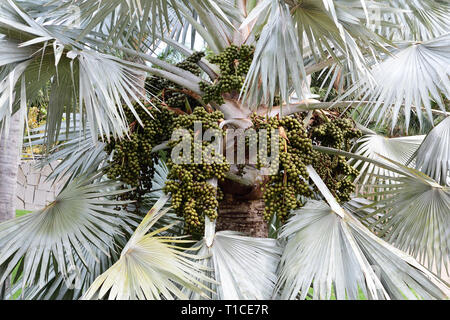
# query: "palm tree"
382,57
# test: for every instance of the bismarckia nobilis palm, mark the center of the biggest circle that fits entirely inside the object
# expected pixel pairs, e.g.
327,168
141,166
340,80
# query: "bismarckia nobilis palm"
389,63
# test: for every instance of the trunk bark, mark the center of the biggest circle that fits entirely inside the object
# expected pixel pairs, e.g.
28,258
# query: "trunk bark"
242,210
245,216
10,150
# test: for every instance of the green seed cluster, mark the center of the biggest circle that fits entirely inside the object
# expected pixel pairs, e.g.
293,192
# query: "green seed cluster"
234,63
337,133
132,160
170,93
193,196
289,181
334,170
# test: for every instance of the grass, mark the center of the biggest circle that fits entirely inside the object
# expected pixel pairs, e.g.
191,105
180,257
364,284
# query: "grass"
20,213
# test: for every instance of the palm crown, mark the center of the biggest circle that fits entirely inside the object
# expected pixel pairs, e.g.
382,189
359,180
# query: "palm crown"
387,61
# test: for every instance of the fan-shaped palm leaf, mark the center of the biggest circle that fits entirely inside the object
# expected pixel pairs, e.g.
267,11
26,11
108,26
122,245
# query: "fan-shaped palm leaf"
414,76
244,267
319,253
293,30
79,156
433,155
10,52
76,84
150,267
53,239
114,14
277,62
98,96
338,29
361,208
336,253
75,152
412,212
373,146
417,20
82,275
71,286
121,20
415,215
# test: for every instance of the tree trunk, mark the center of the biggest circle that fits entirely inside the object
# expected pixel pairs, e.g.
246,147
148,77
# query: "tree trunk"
10,150
242,210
